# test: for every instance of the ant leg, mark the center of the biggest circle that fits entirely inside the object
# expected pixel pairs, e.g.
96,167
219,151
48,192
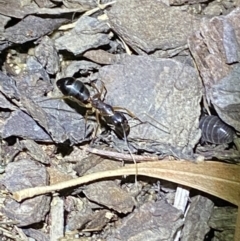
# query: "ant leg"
157,123
101,91
88,112
98,124
126,111
142,122
54,98
103,88
68,98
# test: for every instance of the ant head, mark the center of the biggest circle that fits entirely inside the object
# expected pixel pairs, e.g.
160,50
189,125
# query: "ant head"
122,130
119,124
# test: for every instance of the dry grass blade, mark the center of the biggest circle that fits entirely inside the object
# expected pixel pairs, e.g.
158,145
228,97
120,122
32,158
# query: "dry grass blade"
219,179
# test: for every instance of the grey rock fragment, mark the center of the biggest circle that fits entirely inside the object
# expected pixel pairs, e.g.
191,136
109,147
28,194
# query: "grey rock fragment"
24,174
18,9
214,9
82,214
223,221
20,175
8,86
34,67
216,51
32,85
88,33
89,221
225,97
3,21
22,125
78,215
85,4
70,117
146,30
35,151
108,193
80,66
47,121
101,56
45,3
195,224
36,234
32,27
166,90
223,218
157,221
47,55
6,104
60,125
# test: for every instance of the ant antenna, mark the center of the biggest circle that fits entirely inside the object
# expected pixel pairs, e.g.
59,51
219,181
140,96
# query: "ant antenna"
129,150
157,123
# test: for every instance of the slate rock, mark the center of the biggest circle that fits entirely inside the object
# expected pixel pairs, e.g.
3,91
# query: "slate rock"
166,90
20,175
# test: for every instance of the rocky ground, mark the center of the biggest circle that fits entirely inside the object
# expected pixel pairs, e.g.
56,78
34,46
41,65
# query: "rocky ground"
67,173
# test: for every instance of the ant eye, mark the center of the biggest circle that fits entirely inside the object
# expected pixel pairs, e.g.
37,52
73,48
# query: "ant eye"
116,122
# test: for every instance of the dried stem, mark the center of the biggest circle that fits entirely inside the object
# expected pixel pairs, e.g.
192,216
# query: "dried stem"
120,156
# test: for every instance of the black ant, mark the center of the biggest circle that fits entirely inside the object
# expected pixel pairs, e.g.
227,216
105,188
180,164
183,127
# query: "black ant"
78,92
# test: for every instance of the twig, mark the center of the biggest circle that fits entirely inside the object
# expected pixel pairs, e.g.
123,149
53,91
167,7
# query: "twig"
120,156
87,13
99,7
6,233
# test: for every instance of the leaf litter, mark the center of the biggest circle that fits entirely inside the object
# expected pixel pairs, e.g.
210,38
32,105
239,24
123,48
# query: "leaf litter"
184,63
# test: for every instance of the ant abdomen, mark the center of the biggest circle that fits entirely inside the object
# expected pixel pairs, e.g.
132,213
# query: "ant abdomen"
73,88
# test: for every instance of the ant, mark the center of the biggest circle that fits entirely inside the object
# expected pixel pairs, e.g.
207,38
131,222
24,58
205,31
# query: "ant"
77,91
